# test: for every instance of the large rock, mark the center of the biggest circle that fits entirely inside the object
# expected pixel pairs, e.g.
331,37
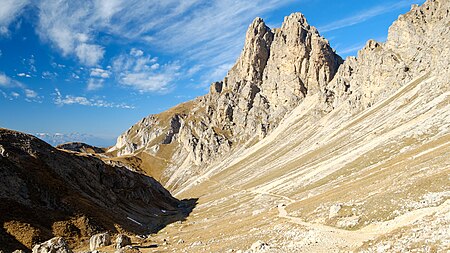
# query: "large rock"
54,245
122,241
99,240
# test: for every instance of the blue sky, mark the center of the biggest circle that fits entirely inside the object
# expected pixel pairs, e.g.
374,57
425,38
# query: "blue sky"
96,67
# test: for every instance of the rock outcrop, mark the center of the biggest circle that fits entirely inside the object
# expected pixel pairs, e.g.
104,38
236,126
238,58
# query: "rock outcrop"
276,70
81,147
122,241
301,63
99,240
414,48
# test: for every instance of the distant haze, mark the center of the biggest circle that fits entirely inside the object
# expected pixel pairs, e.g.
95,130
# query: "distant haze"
55,139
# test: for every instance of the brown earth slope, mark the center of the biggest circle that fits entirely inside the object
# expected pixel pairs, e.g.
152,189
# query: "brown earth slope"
46,192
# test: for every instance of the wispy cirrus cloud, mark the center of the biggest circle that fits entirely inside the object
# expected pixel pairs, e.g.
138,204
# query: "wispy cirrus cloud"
350,49
69,25
101,73
9,83
61,100
143,72
9,11
97,79
192,31
95,84
365,15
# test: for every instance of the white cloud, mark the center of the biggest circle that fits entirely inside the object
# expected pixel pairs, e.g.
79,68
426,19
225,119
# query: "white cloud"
92,102
215,74
365,15
57,65
136,52
9,11
94,84
208,34
23,75
89,54
4,80
194,31
101,73
49,75
107,8
350,49
143,73
30,93
9,83
69,25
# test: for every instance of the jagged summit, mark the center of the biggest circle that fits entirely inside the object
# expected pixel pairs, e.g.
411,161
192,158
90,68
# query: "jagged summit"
297,19
276,70
250,65
415,46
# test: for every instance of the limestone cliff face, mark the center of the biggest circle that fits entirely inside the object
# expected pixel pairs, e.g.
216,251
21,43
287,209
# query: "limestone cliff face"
275,72
301,63
415,45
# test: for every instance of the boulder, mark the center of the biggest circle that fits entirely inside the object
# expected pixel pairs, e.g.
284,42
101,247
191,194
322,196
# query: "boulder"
258,246
54,245
122,241
334,210
99,240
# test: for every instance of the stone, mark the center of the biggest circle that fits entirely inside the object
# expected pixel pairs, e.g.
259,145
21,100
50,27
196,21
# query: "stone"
334,210
54,245
122,241
348,222
259,245
99,240
2,151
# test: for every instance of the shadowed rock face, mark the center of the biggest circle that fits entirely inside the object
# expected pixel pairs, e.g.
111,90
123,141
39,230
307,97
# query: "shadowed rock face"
80,147
47,192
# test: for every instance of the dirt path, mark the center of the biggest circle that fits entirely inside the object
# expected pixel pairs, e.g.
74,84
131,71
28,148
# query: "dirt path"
353,239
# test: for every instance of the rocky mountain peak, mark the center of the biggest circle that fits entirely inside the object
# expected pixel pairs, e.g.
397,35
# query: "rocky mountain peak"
295,21
276,70
301,62
414,47
253,59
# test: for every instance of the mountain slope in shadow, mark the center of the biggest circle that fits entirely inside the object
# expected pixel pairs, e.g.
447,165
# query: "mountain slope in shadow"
47,192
